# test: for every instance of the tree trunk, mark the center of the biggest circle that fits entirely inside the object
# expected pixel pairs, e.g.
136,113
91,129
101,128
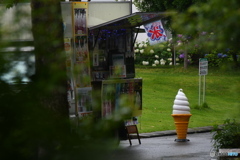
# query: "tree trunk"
235,60
50,80
185,59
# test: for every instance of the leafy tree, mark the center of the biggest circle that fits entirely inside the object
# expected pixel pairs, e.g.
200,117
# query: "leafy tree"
165,5
219,22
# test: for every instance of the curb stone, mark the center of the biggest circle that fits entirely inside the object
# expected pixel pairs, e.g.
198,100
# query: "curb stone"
172,132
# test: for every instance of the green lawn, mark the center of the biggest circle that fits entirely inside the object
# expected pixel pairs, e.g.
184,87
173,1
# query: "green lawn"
160,86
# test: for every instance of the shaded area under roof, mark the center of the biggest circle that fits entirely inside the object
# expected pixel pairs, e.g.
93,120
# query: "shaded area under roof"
131,21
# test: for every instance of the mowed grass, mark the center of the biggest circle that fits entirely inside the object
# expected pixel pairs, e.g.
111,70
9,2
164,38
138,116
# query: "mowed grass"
160,86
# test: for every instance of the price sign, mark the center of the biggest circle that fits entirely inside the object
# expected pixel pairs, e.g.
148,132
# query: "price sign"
203,66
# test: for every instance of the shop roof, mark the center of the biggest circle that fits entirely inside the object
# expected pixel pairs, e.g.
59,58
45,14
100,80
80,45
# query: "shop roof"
131,21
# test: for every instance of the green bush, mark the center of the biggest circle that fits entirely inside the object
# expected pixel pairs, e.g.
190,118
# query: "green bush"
205,105
199,107
155,55
152,55
227,136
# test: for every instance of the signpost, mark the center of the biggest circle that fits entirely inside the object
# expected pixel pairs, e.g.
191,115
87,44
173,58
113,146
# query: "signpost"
203,71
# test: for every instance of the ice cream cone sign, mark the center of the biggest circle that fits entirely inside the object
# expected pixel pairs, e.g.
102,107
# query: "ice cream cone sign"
181,115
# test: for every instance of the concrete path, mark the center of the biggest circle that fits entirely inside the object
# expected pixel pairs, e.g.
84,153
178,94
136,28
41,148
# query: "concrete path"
165,148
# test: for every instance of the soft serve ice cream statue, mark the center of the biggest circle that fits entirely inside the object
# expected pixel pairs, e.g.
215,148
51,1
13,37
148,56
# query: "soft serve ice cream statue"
181,104
181,114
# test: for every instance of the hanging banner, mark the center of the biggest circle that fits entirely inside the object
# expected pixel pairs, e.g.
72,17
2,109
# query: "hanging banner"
80,17
155,32
70,83
81,49
81,59
83,78
81,53
84,101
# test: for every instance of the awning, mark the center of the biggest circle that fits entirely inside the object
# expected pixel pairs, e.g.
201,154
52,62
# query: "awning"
131,21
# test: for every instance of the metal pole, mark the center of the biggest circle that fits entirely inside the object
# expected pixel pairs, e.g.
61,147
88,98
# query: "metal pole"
174,55
199,94
140,122
131,7
204,85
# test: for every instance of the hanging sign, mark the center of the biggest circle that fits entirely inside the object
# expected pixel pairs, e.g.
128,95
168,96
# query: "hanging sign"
155,32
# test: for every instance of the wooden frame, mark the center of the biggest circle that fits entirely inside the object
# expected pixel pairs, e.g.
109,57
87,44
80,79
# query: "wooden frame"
132,129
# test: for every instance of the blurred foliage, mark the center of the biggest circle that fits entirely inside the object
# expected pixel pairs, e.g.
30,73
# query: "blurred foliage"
11,3
31,131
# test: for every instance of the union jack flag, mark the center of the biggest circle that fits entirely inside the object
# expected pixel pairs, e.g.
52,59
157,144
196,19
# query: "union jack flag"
155,32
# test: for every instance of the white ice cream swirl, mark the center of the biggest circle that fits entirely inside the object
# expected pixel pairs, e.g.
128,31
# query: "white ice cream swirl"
181,104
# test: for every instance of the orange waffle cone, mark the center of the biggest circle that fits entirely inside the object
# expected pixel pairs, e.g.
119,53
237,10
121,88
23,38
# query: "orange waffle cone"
181,124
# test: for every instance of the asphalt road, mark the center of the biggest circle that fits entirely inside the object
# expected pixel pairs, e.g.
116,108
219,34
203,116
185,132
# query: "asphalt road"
165,148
